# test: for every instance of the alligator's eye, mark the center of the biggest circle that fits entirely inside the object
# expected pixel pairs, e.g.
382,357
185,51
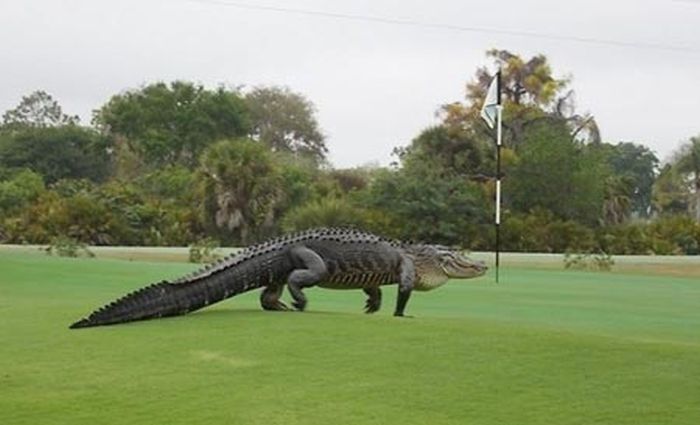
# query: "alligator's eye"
447,256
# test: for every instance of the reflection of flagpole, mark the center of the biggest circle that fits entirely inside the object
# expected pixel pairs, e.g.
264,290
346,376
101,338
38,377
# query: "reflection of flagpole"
492,112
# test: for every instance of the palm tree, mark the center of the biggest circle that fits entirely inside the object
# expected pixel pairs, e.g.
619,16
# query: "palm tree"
687,162
241,186
617,204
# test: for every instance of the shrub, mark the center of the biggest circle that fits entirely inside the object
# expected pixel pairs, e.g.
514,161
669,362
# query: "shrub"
681,231
672,235
65,246
172,182
327,212
19,190
540,231
205,251
627,239
599,261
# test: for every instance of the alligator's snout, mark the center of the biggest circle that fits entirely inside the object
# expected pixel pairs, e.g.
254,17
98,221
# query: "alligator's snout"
481,267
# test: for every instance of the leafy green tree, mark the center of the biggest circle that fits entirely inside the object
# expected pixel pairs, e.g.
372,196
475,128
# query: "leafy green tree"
635,168
298,186
285,122
544,158
57,152
687,162
617,205
670,194
556,173
591,178
240,186
19,190
421,204
543,177
172,182
351,180
452,151
677,189
127,164
173,123
38,109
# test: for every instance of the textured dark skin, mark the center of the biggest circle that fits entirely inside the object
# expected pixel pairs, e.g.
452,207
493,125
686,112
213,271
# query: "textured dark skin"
329,258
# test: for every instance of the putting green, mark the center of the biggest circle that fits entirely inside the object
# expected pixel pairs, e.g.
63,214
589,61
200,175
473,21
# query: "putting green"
546,346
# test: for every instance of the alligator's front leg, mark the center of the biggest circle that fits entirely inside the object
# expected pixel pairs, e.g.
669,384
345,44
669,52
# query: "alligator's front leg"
407,279
310,270
374,300
270,298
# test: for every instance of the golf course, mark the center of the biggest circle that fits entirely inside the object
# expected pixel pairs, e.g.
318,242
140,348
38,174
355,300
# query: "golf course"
544,346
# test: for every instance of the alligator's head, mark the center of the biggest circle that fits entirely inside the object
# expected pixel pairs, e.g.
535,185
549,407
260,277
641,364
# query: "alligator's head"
435,264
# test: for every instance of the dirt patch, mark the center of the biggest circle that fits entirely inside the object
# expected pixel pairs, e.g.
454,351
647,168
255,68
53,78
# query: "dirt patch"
220,358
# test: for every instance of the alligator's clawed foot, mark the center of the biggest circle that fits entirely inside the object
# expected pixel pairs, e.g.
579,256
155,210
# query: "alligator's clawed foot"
371,307
403,316
275,306
299,305
280,306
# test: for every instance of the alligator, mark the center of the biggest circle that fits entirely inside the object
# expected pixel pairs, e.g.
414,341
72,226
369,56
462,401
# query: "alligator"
336,258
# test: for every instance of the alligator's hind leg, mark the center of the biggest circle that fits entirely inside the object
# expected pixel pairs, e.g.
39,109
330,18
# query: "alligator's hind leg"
309,270
374,300
270,298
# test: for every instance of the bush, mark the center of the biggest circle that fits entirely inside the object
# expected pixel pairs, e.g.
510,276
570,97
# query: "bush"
680,230
172,182
327,212
205,251
600,261
65,246
111,214
19,190
420,203
540,231
627,239
672,235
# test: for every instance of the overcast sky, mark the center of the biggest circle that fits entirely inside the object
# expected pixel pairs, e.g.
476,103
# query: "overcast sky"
375,84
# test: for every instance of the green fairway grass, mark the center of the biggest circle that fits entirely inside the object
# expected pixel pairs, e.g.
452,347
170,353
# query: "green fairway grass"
546,346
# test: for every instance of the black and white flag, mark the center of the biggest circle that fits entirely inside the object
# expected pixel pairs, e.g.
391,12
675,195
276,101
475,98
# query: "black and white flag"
489,111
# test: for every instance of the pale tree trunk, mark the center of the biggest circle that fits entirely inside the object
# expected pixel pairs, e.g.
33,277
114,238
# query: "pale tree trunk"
697,196
696,165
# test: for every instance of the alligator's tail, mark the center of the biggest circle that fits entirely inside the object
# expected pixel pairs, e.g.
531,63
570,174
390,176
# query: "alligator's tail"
170,299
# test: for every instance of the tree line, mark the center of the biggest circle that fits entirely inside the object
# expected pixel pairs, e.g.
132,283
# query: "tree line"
176,163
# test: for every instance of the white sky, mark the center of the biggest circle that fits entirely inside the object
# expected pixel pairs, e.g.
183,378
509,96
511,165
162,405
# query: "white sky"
375,85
